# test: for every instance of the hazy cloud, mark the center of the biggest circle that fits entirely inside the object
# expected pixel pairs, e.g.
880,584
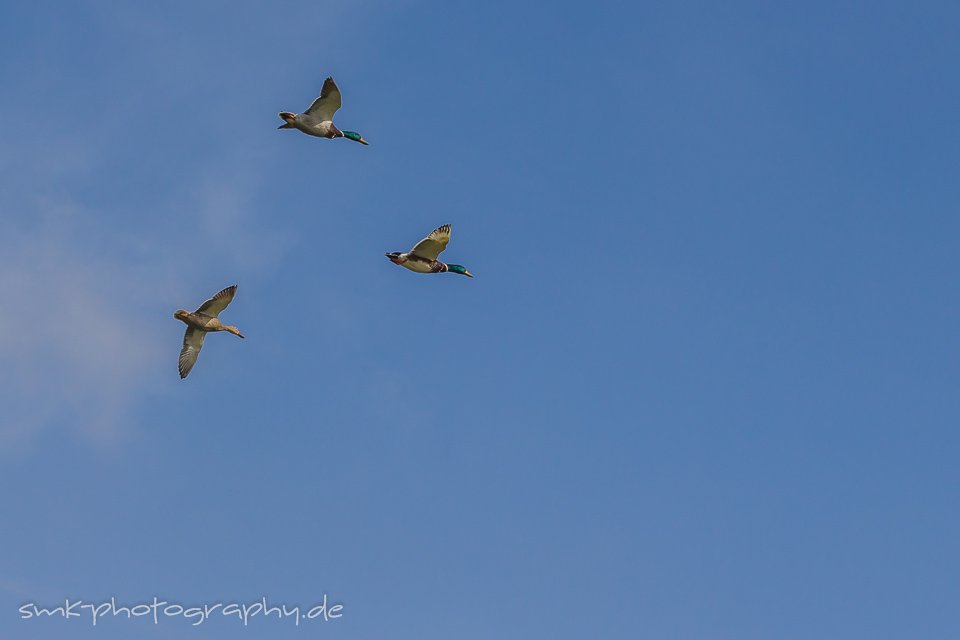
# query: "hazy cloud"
74,338
82,333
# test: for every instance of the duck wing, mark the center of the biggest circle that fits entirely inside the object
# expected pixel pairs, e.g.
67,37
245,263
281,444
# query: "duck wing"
327,104
192,343
434,244
218,302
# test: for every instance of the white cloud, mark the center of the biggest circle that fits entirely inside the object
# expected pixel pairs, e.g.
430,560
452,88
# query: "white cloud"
84,330
76,340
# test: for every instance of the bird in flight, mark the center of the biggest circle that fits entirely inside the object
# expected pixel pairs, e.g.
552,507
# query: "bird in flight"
201,322
318,119
423,257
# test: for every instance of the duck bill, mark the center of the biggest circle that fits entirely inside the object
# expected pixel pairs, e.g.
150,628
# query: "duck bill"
362,141
467,273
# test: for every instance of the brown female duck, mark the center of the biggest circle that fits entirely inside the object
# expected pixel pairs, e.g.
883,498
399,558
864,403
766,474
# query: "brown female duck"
201,322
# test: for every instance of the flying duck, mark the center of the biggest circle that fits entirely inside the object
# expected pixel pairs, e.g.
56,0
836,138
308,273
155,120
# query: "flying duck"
201,322
423,257
318,119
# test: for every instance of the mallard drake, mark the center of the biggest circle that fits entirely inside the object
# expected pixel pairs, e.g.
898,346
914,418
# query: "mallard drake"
201,322
318,119
423,257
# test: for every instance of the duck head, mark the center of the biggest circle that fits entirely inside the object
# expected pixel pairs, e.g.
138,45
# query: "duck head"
356,137
288,118
459,268
180,314
394,257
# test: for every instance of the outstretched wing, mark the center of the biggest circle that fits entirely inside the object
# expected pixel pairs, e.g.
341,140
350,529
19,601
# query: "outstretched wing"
327,104
192,343
431,246
218,302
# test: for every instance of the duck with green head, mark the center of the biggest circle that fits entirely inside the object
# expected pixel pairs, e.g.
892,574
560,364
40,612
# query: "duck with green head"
318,119
423,257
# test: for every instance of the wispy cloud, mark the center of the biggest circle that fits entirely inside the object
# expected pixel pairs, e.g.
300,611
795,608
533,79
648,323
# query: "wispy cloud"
76,344
82,334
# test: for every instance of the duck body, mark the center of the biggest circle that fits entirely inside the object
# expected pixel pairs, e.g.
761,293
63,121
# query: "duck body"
416,263
202,322
311,125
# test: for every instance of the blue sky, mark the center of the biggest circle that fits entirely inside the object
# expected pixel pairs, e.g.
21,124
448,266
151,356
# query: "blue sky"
703,385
